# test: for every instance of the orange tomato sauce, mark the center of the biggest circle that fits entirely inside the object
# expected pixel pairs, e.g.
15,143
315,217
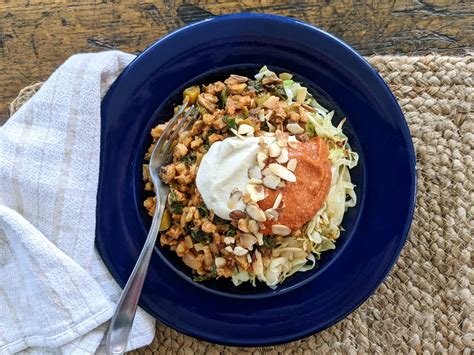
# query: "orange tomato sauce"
303,198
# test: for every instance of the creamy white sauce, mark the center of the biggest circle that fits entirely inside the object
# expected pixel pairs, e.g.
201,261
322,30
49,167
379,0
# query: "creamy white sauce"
225,167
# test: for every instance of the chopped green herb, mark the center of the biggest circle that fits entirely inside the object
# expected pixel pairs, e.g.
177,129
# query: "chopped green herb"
268,242
223,95
201,278
211,130
256,85
214,270
206,146
310,131
218,220
202,110
279,91
189,159
231,232
203,211
174,205
200,237
230,122
187,228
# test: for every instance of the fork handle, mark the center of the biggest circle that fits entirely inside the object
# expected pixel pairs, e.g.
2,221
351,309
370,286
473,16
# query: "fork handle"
121,324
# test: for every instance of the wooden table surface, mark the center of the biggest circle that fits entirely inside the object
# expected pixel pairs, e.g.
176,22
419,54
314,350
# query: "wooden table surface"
37,36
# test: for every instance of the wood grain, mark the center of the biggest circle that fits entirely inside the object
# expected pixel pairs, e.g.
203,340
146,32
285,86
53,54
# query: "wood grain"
37,36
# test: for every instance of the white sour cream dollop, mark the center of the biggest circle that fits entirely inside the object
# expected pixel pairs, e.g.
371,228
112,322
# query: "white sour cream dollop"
224,168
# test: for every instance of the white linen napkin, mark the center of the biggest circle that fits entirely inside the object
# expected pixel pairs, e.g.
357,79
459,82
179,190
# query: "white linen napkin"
56,295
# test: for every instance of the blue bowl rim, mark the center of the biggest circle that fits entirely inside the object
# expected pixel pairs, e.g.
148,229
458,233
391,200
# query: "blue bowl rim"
406,137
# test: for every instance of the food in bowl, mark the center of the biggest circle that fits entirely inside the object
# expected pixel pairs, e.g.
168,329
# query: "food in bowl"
260,182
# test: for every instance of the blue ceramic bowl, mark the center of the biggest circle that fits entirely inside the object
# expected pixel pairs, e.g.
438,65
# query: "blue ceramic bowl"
385,177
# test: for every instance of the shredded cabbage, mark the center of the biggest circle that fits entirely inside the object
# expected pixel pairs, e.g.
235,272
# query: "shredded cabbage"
299,254
324,228
264,71
242,276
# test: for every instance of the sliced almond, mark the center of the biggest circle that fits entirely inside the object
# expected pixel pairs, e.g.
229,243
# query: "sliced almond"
247,240
271,128
243,225
234,198
271,181
249,258
267,134
245,129
255,172
253,226
237,214
283,158
256,192
239,78
281,138
261,115
282,142
246,198
292,164
293,142
281,171
282,184
257,265
259,237
229,240
274,150
220,262
302,137
280,229
239,251
256,213
294,128
261,159
267,172
229,249
255,181
237,133
277,202
271,214
271,79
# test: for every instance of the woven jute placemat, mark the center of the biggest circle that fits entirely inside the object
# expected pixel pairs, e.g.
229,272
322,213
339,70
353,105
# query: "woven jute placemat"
425,304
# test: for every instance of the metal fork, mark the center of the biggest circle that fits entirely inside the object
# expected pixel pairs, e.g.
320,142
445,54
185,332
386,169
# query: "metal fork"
121,324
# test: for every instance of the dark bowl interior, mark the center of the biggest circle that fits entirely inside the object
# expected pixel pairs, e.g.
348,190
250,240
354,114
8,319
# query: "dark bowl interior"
225,286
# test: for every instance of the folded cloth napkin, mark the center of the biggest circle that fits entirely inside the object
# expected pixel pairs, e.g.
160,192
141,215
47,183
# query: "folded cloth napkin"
56,295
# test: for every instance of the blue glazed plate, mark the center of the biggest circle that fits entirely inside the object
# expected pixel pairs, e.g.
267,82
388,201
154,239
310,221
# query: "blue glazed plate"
375,230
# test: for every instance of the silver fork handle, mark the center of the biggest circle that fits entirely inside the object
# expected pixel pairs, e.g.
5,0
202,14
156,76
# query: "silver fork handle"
122,321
